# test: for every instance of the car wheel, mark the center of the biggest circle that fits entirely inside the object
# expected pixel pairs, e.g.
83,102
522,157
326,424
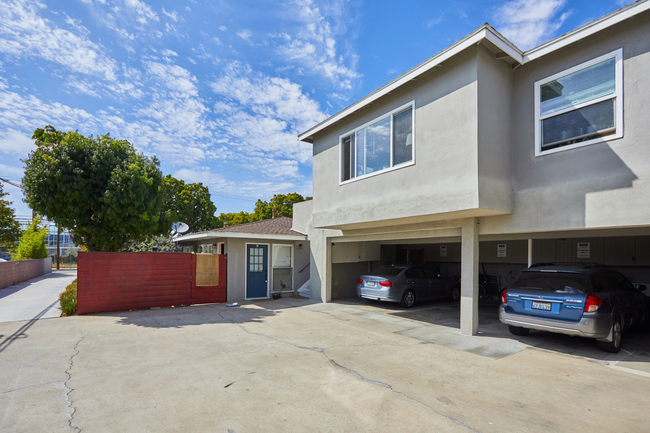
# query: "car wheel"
408,299
615,345
455,294
516,330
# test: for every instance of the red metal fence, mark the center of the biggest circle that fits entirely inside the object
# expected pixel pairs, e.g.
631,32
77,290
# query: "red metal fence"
128,281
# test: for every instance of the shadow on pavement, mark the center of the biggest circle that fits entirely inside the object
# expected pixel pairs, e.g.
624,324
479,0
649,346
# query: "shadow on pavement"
20,333
26,284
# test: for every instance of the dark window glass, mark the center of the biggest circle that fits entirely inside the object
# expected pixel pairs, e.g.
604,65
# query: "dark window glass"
413,273
403,136
599,284
579,125
430,273
348,157
618,282
555,282
387,271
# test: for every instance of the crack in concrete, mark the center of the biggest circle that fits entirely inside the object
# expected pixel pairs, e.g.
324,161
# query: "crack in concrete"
336,317
359,376
65,384
158,324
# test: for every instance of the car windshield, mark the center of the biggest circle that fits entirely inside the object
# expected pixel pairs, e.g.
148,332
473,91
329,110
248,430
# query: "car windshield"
387,271
554,282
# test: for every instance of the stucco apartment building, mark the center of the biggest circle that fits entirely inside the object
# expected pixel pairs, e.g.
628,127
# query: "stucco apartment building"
488,155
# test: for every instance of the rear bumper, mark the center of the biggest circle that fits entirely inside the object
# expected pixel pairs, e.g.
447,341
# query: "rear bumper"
388,295
590,326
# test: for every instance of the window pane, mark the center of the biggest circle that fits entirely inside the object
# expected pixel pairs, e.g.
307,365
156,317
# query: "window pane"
579,125
346,158
373,147
581,86
403,136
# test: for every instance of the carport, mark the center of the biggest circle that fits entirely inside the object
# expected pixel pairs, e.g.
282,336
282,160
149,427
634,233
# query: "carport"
499,257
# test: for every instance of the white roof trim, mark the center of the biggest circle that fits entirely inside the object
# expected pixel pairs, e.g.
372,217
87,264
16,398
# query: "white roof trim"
216,235
484,32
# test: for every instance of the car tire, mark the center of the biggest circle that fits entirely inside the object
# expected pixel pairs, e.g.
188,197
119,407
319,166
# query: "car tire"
408,299
615,345
516,330
455,294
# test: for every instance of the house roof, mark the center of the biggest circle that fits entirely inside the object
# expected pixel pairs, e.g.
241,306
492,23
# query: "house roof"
274,228
484,34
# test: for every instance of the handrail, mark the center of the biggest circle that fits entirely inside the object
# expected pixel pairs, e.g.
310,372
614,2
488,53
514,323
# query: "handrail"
303,268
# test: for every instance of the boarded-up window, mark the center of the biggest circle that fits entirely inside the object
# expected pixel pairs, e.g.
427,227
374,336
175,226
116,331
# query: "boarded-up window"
207,270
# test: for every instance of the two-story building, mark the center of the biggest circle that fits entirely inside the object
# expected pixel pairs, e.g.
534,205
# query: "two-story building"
487,154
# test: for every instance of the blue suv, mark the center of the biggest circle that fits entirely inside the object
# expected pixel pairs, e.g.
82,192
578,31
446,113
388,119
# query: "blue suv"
586,300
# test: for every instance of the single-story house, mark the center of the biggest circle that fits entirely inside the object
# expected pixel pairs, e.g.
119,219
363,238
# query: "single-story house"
263,257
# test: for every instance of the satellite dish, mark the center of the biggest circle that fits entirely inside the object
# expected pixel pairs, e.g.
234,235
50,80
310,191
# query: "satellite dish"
179,227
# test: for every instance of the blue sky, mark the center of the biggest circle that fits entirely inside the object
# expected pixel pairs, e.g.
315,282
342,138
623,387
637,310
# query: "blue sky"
218,90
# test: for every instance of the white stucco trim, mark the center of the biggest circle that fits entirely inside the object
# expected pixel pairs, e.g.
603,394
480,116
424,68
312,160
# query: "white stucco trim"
485,32
220,235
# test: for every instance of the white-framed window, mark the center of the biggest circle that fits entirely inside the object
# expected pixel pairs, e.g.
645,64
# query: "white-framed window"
382,144
580,106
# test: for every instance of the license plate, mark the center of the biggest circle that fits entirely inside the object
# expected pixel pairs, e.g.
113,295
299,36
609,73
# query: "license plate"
370,283
541,306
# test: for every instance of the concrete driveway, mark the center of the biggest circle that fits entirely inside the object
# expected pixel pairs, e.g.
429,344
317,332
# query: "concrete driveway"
291,365
34,299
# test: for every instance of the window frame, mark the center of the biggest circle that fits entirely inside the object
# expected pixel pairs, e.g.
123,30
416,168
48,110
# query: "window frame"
617,97
392,167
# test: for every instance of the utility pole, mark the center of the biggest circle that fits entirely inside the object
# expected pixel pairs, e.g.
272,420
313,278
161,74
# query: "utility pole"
58,239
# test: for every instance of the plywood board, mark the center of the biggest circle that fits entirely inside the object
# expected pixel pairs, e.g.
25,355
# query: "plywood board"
207,270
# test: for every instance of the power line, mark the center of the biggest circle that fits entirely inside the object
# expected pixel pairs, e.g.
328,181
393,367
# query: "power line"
17,185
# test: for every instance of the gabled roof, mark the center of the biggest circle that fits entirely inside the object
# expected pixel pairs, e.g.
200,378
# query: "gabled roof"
274,228
485,33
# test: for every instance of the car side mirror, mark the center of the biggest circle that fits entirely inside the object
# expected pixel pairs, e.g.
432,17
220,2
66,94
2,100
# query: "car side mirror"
641,287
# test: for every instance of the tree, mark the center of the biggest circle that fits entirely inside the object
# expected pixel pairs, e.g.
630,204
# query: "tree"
32,243
189,203
282,203
9,226
99,188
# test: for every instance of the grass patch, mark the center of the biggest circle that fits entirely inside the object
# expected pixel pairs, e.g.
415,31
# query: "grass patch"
68,300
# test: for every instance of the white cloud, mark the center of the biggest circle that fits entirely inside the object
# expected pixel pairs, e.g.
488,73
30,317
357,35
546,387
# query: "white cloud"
23,33
245,34
314,43
264,115
173,15
173,77
12,172
223,28
527,23
14,142
169,53
434,21
142,10
216,40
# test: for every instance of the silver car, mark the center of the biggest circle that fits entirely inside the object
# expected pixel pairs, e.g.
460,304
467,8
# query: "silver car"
407,285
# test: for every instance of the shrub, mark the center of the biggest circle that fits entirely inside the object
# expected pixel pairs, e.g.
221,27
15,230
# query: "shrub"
68,300
32,243
154,244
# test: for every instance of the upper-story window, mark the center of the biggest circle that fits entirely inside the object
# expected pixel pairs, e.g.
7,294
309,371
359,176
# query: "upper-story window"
379,145
580,106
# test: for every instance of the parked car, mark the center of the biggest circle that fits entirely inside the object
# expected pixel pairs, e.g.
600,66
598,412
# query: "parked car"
407,285
586,300
5,257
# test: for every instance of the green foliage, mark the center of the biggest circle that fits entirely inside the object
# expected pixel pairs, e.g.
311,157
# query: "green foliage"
32,243
9,227
154,244
68,300
189,203
282,203
100,188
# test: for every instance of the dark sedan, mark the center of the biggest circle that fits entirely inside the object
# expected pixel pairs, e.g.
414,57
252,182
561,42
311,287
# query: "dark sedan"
407,285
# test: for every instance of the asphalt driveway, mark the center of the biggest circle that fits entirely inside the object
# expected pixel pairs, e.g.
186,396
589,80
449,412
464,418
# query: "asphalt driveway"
292,365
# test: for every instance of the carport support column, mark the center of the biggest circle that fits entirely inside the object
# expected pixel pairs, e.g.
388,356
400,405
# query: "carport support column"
320,269
530,253
469,278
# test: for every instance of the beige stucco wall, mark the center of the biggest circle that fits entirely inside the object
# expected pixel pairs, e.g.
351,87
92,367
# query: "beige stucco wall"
601,185
236,251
